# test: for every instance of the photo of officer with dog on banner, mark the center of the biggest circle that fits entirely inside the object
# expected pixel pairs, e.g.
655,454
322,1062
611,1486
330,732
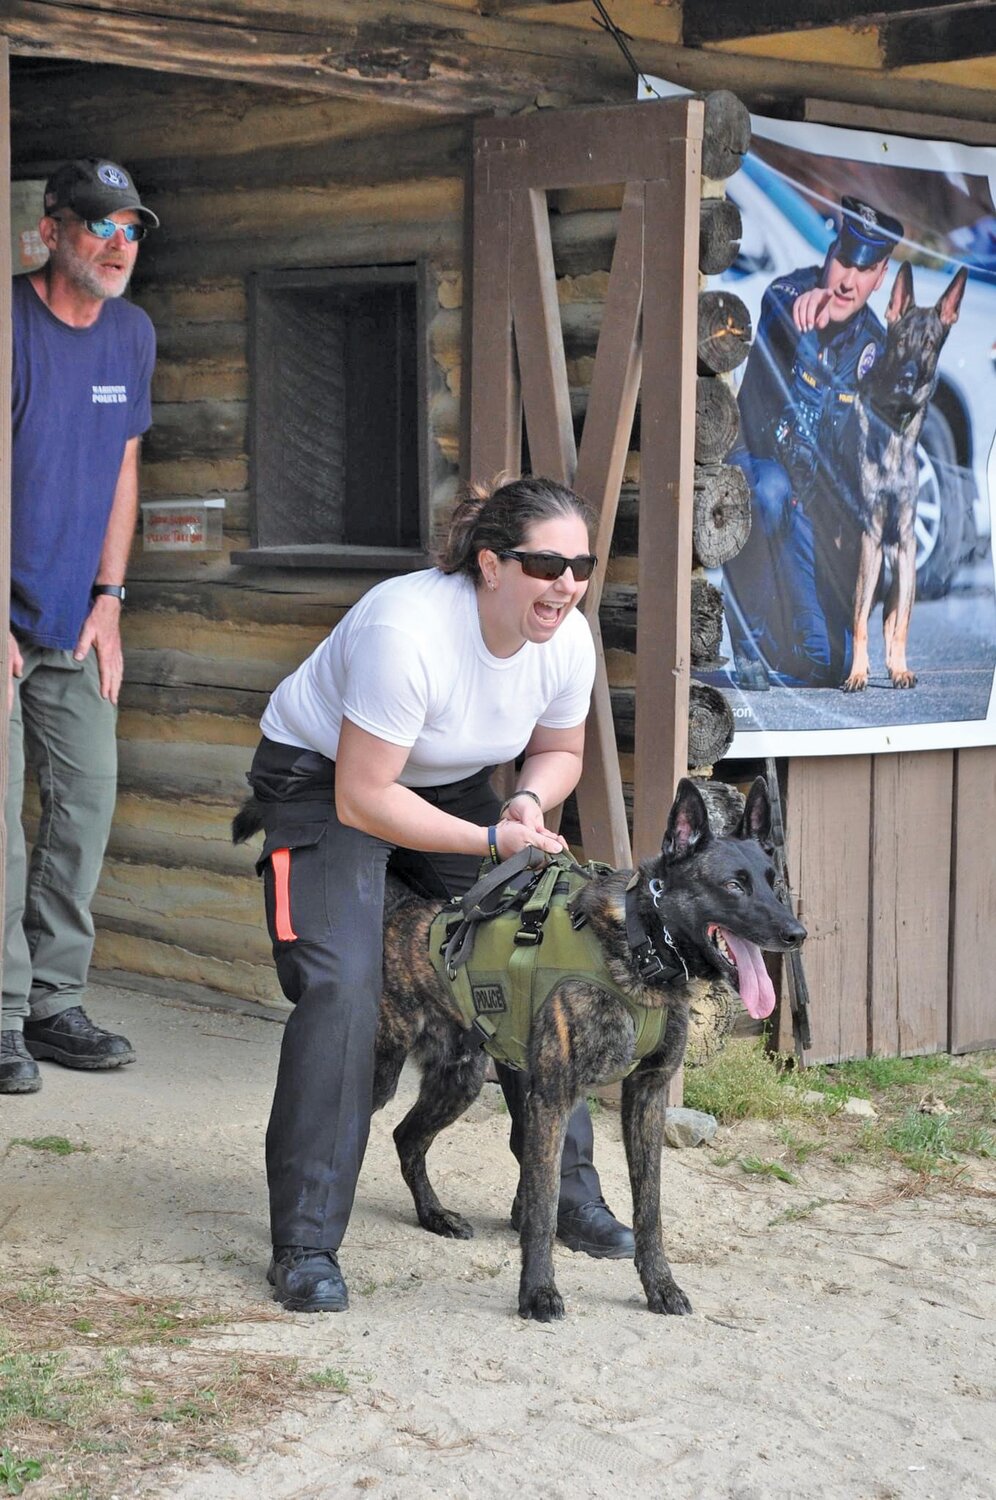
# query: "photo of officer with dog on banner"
860,614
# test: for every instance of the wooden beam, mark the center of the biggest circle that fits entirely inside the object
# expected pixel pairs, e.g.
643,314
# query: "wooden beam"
539,340
425,54
900,122
505,7
943,34
705,21
667,441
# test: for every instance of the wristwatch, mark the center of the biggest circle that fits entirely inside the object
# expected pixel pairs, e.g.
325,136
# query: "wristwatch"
117,589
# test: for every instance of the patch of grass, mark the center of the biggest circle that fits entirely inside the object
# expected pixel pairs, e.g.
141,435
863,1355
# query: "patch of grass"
758,1168
57,1145
330,1380
99,1386
801,1149
743,1083
803,1211
16,1472
922,1142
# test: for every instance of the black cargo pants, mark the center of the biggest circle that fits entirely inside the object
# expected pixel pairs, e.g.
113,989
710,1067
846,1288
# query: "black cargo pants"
324,895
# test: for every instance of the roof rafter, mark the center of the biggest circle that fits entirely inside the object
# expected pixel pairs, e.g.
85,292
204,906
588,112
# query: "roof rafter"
705,21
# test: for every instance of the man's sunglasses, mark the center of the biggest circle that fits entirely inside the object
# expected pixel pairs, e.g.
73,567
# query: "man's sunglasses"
106,229
550,565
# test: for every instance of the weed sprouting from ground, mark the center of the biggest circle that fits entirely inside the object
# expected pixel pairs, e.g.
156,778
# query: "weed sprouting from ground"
16,1472
57,1145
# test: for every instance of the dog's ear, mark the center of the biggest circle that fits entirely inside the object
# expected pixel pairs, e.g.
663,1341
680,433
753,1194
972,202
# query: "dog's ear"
687,824
756,821
901,299
950,302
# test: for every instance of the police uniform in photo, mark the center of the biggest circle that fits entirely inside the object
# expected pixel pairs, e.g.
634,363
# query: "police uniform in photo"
789,592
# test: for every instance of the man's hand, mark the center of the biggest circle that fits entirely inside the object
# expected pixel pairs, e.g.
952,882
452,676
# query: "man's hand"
812,309
102,631
16,665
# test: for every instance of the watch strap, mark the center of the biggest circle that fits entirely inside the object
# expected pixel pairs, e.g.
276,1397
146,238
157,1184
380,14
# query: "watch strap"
117,589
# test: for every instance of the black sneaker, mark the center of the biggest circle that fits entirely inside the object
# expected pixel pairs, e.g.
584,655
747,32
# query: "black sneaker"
72,1039
18,1070
593,1228
307,1280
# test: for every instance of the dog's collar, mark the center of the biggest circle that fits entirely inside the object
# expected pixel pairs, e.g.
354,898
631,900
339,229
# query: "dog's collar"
654,966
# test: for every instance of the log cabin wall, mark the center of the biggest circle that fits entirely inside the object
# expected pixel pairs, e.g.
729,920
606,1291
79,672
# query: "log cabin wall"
245,180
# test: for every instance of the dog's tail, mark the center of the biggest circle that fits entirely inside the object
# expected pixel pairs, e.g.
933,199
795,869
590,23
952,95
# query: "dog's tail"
247,821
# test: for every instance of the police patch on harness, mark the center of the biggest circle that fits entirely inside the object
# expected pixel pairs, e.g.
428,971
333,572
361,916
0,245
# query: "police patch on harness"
489,999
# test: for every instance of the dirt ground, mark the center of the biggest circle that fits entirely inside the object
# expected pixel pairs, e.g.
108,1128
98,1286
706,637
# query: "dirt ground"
843,1343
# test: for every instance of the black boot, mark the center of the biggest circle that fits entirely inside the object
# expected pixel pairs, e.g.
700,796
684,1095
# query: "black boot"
592,1228
18,1070
72,1039
307,1280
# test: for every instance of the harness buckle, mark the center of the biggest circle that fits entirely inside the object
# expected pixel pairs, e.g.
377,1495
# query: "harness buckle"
529,935
648,961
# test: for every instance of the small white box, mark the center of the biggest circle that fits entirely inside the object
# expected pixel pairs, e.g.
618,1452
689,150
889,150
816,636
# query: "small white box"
182,525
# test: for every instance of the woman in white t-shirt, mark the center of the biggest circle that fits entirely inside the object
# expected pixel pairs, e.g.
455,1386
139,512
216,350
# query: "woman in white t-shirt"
380,748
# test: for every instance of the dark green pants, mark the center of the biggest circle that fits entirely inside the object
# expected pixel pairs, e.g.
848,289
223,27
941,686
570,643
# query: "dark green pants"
64,730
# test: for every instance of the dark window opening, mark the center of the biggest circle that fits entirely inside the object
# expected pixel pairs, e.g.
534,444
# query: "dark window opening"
336,470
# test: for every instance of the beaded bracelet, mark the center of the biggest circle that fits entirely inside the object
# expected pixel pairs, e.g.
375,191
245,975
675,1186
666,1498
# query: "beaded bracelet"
493,845
522,792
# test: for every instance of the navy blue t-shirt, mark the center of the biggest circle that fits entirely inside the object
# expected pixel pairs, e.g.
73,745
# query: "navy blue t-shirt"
79,395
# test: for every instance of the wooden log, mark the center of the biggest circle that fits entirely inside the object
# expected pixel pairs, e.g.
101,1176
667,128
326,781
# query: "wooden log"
717,420
707,624
724,804
721,516
191,429
726,134
720,229
710,725
617,618
724,333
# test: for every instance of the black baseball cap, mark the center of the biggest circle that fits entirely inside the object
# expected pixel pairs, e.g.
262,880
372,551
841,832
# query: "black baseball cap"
92,188
866,235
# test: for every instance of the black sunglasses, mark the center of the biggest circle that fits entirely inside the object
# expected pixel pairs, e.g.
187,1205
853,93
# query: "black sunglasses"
106,229
550,565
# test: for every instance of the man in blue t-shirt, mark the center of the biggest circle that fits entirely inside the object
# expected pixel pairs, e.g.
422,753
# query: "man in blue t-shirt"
82,367
789,592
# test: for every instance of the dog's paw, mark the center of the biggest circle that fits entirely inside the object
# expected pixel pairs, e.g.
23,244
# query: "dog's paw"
856,683
904,679
450,1225
543,1303
667,1297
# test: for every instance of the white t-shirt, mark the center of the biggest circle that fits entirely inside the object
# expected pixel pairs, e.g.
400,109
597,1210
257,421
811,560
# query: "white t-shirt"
408,663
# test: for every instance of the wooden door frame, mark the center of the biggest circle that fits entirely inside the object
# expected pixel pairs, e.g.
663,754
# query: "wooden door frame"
647,345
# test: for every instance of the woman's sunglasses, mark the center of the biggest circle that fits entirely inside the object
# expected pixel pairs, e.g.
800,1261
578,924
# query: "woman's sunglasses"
550,565
106,229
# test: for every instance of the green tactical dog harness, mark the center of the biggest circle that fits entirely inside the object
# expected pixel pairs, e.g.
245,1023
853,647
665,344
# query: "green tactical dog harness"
512,940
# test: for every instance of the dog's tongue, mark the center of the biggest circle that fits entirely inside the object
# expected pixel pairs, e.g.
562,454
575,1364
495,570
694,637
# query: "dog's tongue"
756,990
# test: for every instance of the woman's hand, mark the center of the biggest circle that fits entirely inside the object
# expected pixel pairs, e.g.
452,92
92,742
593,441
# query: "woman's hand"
513,834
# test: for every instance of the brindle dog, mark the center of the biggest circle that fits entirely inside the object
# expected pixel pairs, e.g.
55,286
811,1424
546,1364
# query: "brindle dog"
718,902
890,408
